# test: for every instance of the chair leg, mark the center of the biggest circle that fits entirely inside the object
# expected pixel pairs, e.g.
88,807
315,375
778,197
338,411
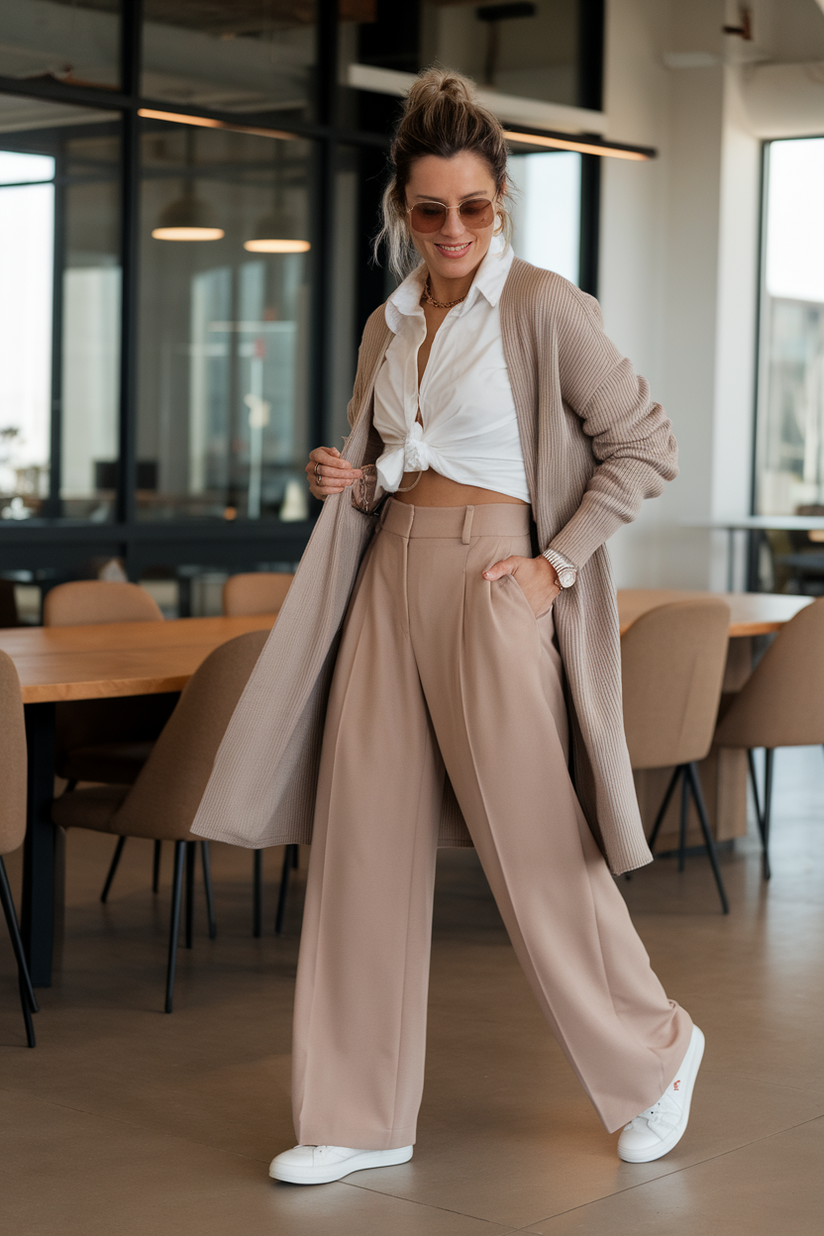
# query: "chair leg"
207,884
156,866
257,894
27,1000
191,855
765,818
288,861
709,841
659,819
682,829
174,929
754,784
118,850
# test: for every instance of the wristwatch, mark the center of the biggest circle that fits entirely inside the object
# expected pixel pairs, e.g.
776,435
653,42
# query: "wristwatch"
566,571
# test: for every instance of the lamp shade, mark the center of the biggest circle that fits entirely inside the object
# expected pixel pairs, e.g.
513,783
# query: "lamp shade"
277,233
187,218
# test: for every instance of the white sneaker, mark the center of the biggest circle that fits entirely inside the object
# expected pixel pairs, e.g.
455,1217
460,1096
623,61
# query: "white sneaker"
323,1164
654,1133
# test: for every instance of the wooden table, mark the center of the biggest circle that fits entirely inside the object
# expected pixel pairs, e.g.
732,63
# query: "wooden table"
83,663
751,613
724,771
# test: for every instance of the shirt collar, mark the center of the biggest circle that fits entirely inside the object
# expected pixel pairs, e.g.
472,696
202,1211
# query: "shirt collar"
405,301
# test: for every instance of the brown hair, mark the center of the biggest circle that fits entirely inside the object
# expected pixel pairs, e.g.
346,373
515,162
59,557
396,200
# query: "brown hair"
441,116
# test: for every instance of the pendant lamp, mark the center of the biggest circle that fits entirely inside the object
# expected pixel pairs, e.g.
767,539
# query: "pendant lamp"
187,218
277,233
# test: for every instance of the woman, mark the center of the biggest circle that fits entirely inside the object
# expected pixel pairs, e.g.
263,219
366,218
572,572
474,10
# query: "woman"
487,397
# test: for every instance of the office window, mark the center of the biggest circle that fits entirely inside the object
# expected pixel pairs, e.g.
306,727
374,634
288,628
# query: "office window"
59,311
546,210
224,383
73,41
247,56
790,421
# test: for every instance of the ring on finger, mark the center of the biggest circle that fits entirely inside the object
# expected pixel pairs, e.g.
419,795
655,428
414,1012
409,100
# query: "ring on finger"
318,477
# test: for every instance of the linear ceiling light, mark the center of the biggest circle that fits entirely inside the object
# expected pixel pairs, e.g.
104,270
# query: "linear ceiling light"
553,141
208,122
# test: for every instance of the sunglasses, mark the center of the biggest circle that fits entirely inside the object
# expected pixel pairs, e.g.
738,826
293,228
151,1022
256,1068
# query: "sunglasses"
478,212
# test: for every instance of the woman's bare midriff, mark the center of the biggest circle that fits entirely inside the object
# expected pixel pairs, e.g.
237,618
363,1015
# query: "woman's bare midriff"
436,490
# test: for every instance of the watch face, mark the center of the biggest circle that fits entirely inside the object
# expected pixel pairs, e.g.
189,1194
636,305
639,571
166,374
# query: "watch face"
566,578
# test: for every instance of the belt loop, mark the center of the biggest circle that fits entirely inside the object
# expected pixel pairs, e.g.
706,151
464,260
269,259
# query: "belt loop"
467,527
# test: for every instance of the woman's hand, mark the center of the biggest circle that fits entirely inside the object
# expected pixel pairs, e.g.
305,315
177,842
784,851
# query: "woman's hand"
536,577
328,473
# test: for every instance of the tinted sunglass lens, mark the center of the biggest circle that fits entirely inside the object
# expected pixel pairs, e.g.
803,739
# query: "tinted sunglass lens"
477,213
428,217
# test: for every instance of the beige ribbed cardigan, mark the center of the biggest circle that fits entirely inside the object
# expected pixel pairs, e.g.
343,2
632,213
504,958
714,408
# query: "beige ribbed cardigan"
594,446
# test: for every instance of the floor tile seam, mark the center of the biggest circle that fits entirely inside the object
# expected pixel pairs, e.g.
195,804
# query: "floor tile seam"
665,1175
448,1210
763,1081
129,1124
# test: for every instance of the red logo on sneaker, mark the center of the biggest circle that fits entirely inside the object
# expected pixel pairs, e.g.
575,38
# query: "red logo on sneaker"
676,1084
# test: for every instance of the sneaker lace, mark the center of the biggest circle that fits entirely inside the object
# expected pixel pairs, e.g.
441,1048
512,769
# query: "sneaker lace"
663,1115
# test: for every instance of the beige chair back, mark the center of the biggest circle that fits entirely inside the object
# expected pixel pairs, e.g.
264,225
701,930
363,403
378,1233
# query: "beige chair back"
782,703
12,759
163,801
260,592
98,600
673,660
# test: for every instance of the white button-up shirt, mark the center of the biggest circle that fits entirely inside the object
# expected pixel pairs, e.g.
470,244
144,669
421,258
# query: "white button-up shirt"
469,429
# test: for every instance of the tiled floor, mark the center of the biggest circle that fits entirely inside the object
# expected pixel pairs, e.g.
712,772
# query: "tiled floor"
125,1121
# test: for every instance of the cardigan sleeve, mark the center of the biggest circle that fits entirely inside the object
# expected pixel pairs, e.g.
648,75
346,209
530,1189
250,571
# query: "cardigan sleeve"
630,435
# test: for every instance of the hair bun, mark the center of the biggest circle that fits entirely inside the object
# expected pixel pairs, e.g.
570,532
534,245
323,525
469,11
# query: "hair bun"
432,83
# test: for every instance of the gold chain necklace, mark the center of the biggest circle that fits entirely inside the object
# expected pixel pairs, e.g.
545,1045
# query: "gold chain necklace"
429,299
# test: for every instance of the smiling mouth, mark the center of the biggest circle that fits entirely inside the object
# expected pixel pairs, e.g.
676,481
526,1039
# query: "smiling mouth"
453,250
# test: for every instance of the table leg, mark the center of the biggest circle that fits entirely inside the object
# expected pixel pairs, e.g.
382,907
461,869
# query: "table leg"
38,905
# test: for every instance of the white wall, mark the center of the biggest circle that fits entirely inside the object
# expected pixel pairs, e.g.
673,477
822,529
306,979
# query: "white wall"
679,260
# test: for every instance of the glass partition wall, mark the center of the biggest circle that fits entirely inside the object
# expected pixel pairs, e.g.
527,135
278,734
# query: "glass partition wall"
225,323
188,192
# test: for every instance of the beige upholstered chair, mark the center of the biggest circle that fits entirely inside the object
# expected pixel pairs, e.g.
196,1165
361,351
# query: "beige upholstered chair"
259,592
107,740
673,661
97,600
780,705
161,804
13,816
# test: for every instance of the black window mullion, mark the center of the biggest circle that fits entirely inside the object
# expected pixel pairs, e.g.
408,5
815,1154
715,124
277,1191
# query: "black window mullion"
53,503
131,49
324,210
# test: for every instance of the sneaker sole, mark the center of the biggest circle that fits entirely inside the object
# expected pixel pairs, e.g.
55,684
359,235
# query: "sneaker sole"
696,1050
358,1163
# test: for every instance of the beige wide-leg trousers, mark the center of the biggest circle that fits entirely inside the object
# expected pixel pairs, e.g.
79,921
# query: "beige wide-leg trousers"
438,668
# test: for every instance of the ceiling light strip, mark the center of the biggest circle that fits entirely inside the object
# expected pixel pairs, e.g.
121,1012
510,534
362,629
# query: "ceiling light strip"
555,142
207,122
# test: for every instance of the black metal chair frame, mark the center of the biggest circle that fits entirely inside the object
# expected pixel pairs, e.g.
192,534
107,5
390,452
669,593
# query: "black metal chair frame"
763,809
27,1000
691,785
290,863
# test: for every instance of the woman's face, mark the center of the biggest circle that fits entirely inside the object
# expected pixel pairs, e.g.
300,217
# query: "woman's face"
455,250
